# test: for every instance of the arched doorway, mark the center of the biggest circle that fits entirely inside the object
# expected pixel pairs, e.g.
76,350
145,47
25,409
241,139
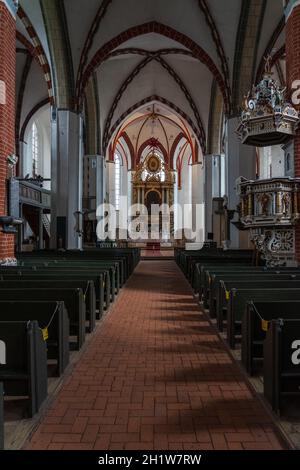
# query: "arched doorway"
153,197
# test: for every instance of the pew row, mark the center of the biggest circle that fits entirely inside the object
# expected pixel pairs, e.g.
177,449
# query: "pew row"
24,371
52,319
282,362
72,298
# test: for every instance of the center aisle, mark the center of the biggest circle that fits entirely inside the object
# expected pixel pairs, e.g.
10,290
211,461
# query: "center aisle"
155,376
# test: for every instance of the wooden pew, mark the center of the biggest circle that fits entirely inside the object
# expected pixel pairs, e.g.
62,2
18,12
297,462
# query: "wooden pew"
99,283
225,286
73,266
115,267
255,325
209,271
102,278
221,261
73,299
133,255
231,256
87,287
124,261
282,360
237,306
50,315
1,416
24,373
212,278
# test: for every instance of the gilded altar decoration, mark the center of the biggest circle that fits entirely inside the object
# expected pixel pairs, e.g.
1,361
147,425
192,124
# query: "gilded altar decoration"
153,184
267,118
153,164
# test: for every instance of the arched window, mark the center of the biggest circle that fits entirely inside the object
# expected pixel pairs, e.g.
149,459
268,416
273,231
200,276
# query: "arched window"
288,165
117,181
35,149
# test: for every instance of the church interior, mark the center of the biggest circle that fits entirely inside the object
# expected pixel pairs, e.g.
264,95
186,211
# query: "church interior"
149,225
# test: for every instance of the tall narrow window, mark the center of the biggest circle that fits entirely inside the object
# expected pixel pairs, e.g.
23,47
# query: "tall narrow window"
117,181
35,150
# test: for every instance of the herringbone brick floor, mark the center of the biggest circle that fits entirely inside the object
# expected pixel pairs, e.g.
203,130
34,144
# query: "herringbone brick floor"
156,376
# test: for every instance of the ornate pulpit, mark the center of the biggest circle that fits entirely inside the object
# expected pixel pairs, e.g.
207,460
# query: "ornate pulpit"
269,208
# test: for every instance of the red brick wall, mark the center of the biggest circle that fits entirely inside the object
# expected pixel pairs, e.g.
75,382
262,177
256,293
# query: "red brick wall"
293,73
7,113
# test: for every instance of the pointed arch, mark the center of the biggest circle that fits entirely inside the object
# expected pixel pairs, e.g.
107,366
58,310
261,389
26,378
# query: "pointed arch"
158,28
178,81
147,144
151,99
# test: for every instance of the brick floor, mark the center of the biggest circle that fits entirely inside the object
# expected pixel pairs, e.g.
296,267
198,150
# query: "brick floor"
156,376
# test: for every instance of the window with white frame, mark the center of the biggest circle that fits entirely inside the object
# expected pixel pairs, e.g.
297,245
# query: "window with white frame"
117,181
35,150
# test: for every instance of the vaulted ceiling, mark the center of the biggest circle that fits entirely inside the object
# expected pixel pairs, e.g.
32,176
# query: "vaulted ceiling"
198,57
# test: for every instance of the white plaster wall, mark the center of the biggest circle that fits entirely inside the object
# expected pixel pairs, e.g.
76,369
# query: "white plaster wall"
272,163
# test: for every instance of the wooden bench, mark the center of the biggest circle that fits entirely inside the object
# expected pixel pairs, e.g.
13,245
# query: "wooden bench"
225,286
229,256
209,271
237,306
125,259
1,416
73,299
255,325
99,283
87,287
52,316
24,372
212,279
282,360
102,278
111,268
197,270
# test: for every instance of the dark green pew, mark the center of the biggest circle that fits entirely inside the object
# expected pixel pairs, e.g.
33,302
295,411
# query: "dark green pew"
230,256
237,304
50,315
116,267
73,299
128,257
225,286
210,294
111,268
195,275
1,416
281,361
87,287
99,283
255,325
132,255
207,272
65,272
24,373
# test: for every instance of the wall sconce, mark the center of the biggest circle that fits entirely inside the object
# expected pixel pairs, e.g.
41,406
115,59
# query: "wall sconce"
12,160
8,224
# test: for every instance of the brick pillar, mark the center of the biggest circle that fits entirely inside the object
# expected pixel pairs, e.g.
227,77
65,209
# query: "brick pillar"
293,74
7,109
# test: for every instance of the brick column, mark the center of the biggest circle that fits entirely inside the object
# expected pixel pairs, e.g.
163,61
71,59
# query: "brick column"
293,73
7,109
